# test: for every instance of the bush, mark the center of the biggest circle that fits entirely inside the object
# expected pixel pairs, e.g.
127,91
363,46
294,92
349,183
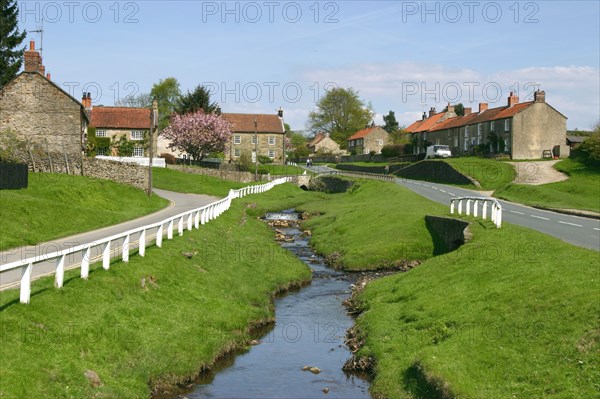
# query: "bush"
264,159
245,161
169,158
393,150
589,150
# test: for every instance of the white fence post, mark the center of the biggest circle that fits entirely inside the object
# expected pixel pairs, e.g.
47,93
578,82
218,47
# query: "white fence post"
106,256
25,294
59,276
452,207
142,243
85,262
170,230
468,212
475,205
180,226
197,220
484,209
189,221
499,217
159,234
460,206
126,249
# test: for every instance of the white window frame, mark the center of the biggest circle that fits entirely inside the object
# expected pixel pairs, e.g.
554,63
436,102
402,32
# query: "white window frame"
137,151
492,126
479,129
272,154
380,141
237,139
137,135
101,133
272,140
507,125
254,140
237,152
101,151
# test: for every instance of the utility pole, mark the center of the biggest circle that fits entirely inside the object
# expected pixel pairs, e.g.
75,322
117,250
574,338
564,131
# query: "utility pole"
255,150
153,125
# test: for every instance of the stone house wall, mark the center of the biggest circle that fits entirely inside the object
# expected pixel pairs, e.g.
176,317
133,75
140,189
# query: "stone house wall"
246,144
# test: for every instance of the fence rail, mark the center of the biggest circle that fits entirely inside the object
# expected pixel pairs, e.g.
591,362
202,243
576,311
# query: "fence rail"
472,207
183,221
362,175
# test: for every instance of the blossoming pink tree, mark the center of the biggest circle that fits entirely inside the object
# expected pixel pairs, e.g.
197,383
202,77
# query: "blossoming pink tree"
198,134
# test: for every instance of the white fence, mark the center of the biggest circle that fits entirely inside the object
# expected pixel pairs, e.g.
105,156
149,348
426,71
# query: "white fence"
186,220
471,206
144,161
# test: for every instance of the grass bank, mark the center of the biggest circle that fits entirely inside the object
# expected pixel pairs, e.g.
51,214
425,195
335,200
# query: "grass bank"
57,205
181,182
491,174
580,191
373,225
511,314
154,321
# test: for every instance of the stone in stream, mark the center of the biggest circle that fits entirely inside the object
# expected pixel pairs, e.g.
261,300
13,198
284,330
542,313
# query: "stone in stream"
315,370
325,390
305,368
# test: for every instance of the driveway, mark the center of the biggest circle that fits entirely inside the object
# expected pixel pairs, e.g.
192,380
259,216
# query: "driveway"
537,172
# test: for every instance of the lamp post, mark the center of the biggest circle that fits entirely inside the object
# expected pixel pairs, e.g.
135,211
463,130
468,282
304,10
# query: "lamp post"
255,150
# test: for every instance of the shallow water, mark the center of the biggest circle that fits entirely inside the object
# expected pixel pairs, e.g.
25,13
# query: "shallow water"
309,331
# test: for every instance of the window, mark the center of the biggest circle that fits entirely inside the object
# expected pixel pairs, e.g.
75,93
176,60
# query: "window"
101,151
254,139
380,141
492,126
237,152
137,135
479,129
271,140
271,153
506,145
237,139
100,133
506,125
466,131
138,152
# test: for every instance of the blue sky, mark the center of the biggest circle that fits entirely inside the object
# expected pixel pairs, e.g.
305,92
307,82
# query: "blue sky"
405,56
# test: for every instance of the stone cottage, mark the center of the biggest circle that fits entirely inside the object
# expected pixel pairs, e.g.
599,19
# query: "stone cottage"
264,133
527,130
40,113
322,143
370,139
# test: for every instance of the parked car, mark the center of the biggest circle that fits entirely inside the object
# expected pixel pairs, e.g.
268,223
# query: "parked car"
438,151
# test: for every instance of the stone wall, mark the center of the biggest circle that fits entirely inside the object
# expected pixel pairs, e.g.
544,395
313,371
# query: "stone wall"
447,233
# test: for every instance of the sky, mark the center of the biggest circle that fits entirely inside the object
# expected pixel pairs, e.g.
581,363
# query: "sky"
257,56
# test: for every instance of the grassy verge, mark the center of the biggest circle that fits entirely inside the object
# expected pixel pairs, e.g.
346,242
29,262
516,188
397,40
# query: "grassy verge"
279,170
55,206
373,225
512,314
133,336
490,174
181,182
580,191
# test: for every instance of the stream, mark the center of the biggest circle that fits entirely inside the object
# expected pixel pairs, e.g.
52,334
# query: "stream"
310,328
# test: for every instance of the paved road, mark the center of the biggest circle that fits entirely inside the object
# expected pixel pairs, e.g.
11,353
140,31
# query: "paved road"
179,203
577,230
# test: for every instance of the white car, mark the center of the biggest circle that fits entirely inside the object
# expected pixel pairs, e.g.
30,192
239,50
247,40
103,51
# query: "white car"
438,151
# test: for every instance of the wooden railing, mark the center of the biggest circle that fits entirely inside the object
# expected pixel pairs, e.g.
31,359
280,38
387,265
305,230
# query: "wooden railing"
186,220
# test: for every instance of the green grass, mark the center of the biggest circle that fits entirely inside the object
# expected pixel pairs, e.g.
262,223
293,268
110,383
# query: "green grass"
279,170
174,180
55,206
491,174
580,191
512,314
135,337
373,225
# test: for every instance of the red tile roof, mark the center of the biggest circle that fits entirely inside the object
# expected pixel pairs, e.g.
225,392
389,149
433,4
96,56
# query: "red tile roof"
265,123
316,140
425,124
363,133
120,118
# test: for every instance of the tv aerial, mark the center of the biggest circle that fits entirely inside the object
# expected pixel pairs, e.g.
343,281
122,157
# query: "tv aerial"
40,30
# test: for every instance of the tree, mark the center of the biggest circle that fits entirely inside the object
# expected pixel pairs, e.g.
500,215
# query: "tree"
391,124
459,109
199,134
142,100
167,94
296,143
341,113
11,57
195,101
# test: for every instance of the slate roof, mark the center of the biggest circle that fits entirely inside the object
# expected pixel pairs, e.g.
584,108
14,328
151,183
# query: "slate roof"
265,123
120,117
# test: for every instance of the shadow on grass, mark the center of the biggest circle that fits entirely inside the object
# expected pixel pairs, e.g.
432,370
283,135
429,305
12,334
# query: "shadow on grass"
421,386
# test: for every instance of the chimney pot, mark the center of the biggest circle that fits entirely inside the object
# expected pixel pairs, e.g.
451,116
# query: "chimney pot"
32,45
512,100
468,111
539,96
431,111
280,112
48,76
424,115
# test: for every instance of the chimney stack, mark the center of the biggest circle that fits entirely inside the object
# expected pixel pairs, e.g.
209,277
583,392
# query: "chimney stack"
431,111
483,107
450,108
280,112
468,111
512,100
86,101
48,76
33,60
539,96
424,115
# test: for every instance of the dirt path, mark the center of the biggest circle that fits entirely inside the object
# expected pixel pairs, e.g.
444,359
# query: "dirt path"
538,172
